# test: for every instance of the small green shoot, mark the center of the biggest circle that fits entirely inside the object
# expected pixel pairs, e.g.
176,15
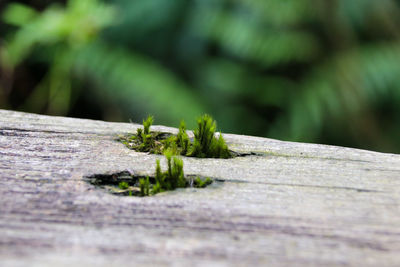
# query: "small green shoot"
205,144
146,124
199,183
144,186
143,140
170,179
123,185
182,139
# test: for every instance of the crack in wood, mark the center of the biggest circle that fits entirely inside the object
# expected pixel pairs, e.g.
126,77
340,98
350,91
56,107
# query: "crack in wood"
360,190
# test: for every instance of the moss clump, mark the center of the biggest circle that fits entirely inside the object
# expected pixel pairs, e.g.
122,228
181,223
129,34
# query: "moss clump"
123,185
170,179
182,139
199,183
144,186
144,140
205,144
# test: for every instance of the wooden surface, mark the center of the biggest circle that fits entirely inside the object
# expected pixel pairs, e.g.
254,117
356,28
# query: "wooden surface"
291,204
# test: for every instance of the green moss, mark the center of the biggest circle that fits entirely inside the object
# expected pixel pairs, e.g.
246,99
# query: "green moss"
173,177
144,186
123,185
146,124
205,144
199,183
182,139
144,140
170,179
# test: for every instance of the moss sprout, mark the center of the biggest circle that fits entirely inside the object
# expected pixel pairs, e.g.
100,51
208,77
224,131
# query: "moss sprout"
173,177
182,139
144,184
123,185
170,179
146,124
143,140
199,183
205,144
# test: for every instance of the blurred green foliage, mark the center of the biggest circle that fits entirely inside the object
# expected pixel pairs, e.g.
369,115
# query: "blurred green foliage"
302,70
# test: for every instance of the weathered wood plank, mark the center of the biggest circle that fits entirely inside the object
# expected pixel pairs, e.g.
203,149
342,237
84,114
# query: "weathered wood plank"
291,204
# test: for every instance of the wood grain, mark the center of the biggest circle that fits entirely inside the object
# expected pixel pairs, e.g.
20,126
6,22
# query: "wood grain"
289,204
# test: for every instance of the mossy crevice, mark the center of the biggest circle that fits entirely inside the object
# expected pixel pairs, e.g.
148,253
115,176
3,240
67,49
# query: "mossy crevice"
205,144
128,184
125,183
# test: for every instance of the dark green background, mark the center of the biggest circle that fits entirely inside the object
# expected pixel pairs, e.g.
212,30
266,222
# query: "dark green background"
302,70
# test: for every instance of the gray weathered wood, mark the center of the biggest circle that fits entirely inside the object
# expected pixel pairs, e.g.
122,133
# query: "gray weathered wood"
292,204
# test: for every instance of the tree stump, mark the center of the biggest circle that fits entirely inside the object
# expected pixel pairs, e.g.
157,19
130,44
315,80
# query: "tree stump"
283,204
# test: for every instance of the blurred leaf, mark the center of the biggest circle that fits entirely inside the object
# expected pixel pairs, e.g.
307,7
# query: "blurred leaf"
280,13
18,14
76,25
137,80
343,87
247,40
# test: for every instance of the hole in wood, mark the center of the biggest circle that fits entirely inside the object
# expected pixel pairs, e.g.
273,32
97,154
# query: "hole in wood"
125,183
205,144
